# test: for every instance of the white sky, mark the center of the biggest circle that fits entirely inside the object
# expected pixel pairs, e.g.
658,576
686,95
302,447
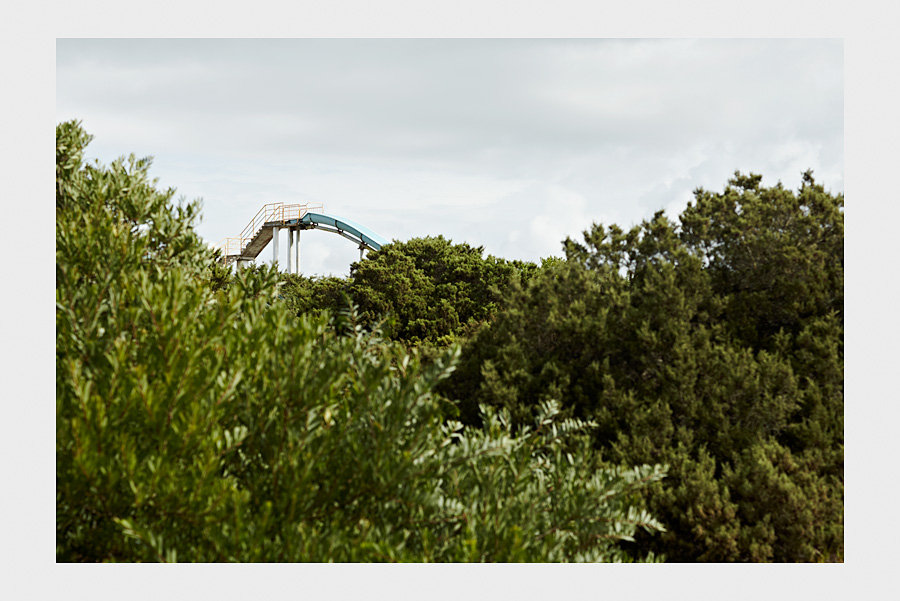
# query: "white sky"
509,144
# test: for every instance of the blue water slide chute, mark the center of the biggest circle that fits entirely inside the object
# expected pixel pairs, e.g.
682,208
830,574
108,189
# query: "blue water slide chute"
351,230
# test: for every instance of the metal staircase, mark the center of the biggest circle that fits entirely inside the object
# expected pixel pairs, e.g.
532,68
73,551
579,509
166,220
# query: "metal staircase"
258,233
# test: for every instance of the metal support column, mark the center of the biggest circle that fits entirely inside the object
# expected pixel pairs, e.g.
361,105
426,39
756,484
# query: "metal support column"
275,245
297,251
290,252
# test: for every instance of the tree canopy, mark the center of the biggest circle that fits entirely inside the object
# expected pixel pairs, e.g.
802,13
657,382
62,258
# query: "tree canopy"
714,345
425,290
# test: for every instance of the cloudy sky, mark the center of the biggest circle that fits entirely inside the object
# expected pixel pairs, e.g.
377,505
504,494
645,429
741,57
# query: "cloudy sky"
509,144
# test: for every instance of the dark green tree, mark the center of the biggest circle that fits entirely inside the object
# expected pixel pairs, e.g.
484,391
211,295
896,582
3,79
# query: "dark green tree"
775,256
714,346
431,290
315,294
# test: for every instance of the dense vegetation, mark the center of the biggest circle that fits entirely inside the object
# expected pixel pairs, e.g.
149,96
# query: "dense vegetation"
428,290
713,344
198,418
263,416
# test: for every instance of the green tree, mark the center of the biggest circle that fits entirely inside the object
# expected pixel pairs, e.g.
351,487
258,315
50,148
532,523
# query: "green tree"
430,289
777,257
315,294
714,346
199,419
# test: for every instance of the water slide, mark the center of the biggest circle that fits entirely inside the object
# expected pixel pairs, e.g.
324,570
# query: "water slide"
346,228
294,218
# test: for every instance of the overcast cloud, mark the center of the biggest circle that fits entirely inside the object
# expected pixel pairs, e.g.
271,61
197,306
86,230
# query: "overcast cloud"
508,144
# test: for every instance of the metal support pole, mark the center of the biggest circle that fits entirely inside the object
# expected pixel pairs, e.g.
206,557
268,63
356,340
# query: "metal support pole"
275,245
297,251
290,250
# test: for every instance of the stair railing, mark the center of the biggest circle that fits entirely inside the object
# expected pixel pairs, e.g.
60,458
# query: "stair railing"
274,212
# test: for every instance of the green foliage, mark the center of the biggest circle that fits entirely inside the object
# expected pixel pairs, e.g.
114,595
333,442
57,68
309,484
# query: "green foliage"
315,294
218,276
425,292
715,347
777,257
199,419
430,289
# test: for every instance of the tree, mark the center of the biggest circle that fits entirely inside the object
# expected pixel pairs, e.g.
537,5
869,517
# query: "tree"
432,290
426,292
315,294
776,257
714,346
